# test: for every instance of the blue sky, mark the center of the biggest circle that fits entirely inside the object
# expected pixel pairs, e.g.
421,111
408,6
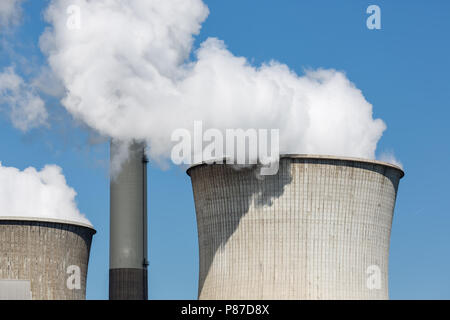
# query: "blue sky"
402,69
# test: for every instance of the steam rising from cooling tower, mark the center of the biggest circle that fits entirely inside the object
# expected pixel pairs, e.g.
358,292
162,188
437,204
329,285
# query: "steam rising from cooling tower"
38,194
44,237
130,71
127,73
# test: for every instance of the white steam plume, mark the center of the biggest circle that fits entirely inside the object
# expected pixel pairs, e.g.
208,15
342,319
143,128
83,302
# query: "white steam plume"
18,99
38,194
127,73
29,193
388,156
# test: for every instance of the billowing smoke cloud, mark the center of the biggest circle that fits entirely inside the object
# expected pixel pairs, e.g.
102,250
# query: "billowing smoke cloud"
10,12
42,194
127,71
18,99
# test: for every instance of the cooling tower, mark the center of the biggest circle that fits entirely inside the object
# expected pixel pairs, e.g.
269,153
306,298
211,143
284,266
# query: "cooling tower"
43,259
128,237
318,229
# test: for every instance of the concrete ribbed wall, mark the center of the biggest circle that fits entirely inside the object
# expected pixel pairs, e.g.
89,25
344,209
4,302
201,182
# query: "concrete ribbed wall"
313,231
41,251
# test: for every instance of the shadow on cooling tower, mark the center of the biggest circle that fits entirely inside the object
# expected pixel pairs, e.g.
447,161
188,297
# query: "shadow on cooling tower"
309,232
236,190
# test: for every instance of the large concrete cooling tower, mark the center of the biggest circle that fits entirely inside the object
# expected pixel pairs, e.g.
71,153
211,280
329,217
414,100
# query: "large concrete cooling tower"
43,259
319,229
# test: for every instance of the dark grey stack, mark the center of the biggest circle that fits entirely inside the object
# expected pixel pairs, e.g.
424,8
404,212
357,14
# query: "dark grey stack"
128,234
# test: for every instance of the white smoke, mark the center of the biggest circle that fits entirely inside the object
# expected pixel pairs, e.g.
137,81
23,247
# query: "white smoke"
127,72
41,194
10,12
29,193
19,99
388,156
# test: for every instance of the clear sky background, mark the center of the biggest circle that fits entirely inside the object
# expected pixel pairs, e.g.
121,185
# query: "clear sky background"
402,69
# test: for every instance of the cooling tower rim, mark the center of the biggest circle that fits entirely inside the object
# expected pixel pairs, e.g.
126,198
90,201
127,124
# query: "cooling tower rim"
48,220
323,157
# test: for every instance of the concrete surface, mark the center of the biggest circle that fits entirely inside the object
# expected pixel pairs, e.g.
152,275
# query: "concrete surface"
319,229
41,252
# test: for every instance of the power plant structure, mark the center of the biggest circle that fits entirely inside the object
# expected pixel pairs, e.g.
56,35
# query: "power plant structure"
43,259
128,226
318,229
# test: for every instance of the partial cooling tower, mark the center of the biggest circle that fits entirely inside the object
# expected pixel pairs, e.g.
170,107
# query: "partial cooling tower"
319,229
43,259
128,237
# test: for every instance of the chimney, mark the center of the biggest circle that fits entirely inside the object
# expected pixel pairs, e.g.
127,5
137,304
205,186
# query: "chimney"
128,226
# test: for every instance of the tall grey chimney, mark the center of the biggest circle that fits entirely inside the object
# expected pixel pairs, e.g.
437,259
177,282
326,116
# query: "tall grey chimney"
128,226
